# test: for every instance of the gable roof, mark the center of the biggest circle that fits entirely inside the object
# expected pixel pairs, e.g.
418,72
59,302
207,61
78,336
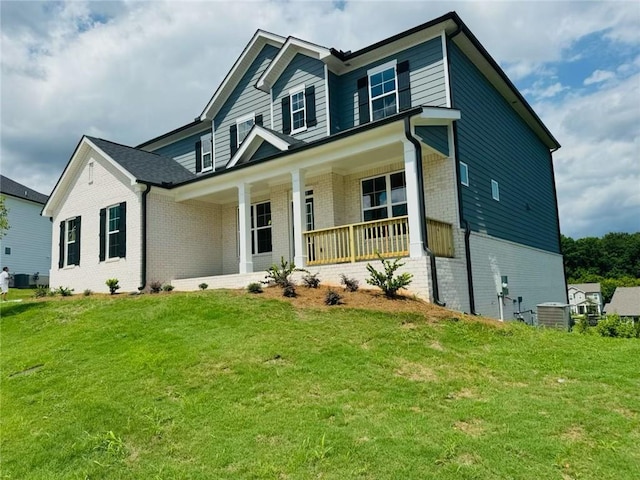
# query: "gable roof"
248,55
15,189
625,302
256,137
146,167
586,287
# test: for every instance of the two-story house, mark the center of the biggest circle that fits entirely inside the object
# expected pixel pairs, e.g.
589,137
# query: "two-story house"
585,298
417,146
26,246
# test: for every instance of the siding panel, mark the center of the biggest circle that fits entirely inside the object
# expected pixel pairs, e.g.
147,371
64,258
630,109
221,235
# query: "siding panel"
183,151
497,144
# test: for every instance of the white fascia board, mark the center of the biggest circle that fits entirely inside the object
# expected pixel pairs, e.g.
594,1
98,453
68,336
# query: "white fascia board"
248,55
250,145
284,57
436,116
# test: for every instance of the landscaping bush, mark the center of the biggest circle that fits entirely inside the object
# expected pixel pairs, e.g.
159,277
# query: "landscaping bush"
113,285
167,287
155,286
280,275
41,291
388,281
203,286
350,284
87,293
332,298
614,326
311,280
581,324
254,287
289,291
64,291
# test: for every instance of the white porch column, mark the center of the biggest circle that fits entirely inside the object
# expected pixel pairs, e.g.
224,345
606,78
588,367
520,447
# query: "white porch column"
244,220
299,224
413,200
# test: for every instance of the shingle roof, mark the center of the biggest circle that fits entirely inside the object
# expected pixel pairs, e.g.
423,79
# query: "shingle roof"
287,138
586,287
15,189
146,167
625,302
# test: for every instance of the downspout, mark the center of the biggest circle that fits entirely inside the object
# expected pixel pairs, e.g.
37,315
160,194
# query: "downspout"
423,212
467,227
143,245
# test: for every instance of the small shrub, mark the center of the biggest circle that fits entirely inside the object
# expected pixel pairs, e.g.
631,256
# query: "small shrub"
203,286
311,280
41,291
155,286
388,281
614,326
289,291
350,284
113,285
87,293
254,287
167,287
64,291
332,298
581,324
280,275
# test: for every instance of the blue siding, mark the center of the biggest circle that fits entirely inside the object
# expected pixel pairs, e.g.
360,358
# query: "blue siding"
334,99
426,77
264,150
308,71
244,100
497,144
183,150
436,137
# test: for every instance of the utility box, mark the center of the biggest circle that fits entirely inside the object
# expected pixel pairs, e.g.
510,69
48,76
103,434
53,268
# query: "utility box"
554,315
21,280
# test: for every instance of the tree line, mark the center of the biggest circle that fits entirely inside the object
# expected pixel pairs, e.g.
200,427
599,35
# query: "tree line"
613,261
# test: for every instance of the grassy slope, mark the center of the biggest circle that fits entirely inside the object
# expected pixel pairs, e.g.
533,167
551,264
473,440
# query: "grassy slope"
216,385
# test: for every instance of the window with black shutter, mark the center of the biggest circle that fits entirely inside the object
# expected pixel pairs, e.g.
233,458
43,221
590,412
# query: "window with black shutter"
113,231
69,242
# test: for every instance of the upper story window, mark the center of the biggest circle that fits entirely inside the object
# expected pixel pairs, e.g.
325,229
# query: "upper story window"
244,125
384,197
383,91
464,174
495,190
298,116
206,152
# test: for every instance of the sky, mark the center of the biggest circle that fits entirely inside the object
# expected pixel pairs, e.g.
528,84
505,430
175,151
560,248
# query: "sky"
130,71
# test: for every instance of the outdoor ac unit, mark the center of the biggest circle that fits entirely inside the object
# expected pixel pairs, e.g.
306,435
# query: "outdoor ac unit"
554,315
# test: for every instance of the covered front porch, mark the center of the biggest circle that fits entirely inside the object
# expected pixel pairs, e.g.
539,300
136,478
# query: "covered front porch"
339,204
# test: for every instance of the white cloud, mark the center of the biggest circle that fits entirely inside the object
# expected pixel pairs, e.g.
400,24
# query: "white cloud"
599,76
541,91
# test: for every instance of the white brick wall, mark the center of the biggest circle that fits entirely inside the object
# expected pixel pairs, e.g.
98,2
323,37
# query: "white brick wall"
184,239
85,199
535,275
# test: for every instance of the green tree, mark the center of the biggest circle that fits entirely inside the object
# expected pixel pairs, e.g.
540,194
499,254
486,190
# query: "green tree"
4,217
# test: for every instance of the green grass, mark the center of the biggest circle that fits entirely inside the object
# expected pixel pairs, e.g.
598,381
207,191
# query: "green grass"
215,385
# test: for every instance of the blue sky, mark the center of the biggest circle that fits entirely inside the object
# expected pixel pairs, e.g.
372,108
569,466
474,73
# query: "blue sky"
129,71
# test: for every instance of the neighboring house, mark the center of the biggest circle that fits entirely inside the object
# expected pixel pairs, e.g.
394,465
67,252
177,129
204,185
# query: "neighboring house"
26,246
625,302
585,298
417,146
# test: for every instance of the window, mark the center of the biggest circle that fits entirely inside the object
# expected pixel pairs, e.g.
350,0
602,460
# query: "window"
113,231
495,190
7,250
206,152
464,174
90,173
69,242
297,110
383,92
261,228
384,197
244,125
308,210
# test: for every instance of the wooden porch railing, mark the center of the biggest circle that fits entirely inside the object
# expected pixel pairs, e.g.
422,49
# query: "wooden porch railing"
362,241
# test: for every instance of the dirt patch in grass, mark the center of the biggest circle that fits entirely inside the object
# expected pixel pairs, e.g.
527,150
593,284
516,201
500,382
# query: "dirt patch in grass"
473,428
416,372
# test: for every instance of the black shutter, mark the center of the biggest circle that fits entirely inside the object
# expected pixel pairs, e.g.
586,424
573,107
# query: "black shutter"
61,256
404,88
363,100
103,233
123,230
310,104
198,156
286,115
258,120
233,138
77,244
